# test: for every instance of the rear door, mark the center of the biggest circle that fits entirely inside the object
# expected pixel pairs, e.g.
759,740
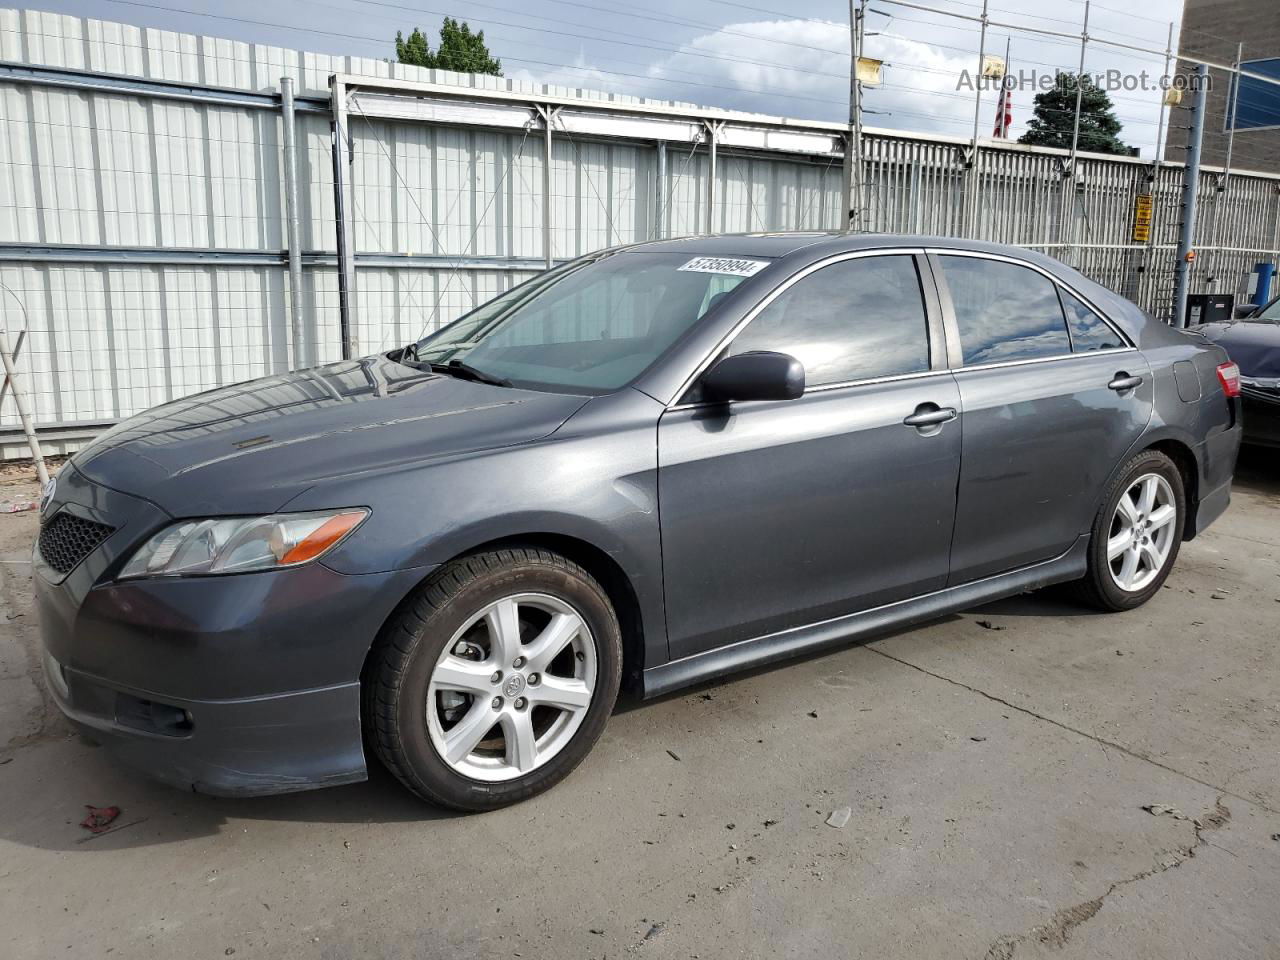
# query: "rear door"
777,514
1053,397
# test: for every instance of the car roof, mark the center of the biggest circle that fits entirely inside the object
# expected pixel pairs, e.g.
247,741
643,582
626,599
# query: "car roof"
829,242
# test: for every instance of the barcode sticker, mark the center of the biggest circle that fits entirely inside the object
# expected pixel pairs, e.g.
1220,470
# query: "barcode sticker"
730,266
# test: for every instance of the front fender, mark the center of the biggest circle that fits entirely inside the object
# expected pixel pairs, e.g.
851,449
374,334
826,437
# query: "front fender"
594,480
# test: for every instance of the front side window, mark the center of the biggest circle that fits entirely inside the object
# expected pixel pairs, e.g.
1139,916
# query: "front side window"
1089,331
854,320
1004,311
590,326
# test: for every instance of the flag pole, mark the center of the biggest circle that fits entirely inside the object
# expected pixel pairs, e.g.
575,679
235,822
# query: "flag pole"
1005,100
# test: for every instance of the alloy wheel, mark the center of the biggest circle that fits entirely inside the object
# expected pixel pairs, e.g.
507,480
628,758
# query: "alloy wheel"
511,687
1143,532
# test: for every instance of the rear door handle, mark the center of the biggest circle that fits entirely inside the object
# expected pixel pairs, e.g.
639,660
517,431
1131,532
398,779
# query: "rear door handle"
1124,382
929,418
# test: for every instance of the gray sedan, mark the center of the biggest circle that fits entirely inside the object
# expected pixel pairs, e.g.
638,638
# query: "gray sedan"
648,467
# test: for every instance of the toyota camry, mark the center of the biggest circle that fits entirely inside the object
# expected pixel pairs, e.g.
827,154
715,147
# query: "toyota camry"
647,467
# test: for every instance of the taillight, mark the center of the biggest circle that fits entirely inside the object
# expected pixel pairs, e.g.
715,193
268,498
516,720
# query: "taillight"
1229,377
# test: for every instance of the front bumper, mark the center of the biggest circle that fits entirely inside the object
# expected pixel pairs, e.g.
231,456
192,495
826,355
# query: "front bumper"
229,748
230,685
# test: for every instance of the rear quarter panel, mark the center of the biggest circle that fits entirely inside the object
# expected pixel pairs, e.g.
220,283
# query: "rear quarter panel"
1205,421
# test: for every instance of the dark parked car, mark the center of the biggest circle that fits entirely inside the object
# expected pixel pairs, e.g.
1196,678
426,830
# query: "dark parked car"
1253,342
655,464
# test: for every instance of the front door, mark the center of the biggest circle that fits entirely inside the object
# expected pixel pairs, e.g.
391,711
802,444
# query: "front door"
777,514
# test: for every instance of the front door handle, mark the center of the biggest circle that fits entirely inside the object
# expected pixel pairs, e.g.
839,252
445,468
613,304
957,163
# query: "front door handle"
1124,382
930,415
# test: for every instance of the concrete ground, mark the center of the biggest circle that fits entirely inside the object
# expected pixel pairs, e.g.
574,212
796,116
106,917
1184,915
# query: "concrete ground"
997,765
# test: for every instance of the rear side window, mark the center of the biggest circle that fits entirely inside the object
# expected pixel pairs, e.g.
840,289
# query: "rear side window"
1004,311
854,320
1088,330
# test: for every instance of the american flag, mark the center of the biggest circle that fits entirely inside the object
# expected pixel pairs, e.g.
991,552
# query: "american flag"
1004,111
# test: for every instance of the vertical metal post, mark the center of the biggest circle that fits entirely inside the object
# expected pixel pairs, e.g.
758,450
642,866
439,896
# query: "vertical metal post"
711,177
1158,161
1190,189
659,223
548,113
1220,192
1168,60
852,189
343,214
291,221
1004,86
846,186
20,401
1069,198
971,200
1231,112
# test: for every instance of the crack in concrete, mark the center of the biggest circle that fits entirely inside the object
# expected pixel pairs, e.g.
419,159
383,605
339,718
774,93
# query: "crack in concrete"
1102,741
1057,932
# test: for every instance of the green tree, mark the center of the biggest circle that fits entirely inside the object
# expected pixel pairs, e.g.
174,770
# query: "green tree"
414,51
1055,111
459,50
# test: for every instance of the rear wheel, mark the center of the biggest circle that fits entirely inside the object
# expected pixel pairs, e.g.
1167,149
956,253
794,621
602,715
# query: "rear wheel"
1136,534
496,679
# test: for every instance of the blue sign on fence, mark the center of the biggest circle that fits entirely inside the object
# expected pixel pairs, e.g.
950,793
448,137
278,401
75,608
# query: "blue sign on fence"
1258,105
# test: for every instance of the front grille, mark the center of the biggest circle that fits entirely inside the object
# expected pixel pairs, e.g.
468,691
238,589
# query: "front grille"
67,539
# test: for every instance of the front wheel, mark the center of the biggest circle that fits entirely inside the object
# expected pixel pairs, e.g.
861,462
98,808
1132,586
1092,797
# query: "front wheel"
495,680
1136,534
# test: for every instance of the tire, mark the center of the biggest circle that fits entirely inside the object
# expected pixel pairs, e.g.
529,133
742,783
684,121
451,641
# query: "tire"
1102,586
448,663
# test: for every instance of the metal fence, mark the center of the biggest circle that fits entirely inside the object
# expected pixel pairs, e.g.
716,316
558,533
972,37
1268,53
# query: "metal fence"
144,222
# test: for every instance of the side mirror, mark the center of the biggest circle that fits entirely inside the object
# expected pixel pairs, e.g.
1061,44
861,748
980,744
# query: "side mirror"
1245,310
760,375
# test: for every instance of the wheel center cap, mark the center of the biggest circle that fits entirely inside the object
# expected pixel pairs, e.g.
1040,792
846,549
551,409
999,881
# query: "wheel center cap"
514,685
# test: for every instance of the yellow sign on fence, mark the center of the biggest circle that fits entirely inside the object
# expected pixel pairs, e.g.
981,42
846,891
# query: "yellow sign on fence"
1142,218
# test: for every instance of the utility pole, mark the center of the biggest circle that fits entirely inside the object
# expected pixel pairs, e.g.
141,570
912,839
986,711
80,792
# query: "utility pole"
1190,190
852,192
1069,199
1153,178
971,201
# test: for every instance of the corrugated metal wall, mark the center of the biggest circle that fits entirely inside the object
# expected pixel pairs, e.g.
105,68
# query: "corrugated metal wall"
142,235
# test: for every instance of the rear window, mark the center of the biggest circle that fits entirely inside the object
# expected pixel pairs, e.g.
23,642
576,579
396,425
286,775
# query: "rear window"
1004,311
1089,331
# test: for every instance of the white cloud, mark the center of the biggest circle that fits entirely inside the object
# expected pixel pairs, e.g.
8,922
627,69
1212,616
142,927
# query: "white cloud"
740,67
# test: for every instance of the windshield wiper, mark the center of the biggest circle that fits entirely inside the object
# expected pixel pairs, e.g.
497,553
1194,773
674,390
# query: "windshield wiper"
466,371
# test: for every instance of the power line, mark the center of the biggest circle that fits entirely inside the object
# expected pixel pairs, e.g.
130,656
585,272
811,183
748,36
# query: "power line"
352,36
686,50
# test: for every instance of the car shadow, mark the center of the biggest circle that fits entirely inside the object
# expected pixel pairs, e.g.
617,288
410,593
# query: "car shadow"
64,776
155,814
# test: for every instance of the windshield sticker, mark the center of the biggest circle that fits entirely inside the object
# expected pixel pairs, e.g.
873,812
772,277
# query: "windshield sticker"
730,266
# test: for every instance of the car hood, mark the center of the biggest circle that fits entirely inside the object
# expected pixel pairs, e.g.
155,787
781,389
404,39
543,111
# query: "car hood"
1253,345
253,446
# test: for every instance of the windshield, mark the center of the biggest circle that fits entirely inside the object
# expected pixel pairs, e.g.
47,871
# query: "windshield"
1269,313
590,326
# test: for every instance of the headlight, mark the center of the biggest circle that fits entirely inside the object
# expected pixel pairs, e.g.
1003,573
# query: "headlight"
241,544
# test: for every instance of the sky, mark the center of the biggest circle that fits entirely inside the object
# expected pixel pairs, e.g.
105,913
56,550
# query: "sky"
780,57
